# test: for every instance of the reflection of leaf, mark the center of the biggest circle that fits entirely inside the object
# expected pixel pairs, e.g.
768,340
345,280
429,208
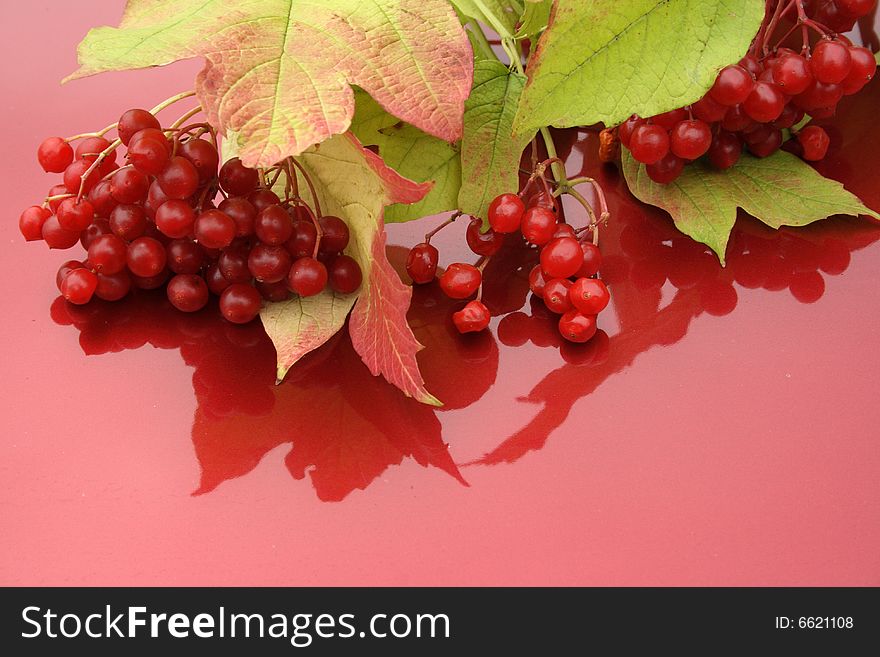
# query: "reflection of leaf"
780,190
414,155
490,155
278,72
601,61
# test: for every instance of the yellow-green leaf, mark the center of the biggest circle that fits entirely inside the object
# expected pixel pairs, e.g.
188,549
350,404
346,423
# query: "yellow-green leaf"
490,154
602,60
500,15
780,190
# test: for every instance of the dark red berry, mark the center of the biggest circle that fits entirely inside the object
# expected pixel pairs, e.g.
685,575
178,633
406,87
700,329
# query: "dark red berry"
237,179
307,277
538,225
79,286
345,274
421,263
214,229
334,234
814,142
484,244
187,292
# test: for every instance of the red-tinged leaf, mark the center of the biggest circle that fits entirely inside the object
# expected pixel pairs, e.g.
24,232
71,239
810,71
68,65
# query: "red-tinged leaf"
378,326
279,73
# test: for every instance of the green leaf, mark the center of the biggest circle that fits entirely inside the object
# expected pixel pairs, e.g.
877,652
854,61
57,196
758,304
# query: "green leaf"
535,18
603,60
780,190
414,155
378,326
279,72
490,154
500,15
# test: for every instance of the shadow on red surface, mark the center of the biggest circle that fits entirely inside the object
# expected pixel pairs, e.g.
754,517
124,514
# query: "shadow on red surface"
346,427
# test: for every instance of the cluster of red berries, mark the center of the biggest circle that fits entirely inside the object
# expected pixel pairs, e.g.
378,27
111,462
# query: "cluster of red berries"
565,278
153,222
752,102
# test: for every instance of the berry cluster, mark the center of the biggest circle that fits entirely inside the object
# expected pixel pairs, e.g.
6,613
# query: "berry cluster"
769,91
153,222
566,278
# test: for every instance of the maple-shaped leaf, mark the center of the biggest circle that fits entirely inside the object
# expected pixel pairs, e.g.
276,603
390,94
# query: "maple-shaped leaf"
279,72
780,190
354,183
603,60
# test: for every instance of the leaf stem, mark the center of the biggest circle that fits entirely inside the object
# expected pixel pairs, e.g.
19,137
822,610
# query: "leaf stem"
170,101
451,220
481,39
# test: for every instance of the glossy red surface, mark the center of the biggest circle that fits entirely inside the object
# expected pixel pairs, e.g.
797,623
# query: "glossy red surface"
722,429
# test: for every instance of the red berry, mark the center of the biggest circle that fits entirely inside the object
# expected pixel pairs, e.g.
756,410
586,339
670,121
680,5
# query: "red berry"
57,237
861,71
556,295
99,227
146,257
184,256
175,218
238,180
214,229
625,130
589,295
537,281
273,225
307,277
302,242
690,139
335,234
460,280
135,120
538,225
665,170
240,303
649,143
421,263
725,150
732,86
765,103
792,74
561,258
107,254
54,155
73,177
152,282
187,292
484,244
564,230
215,280
91,147
819,94
275,292
345,274
179,179
505,213
65,269
472,318
592,260
856,8
790,116
79,286
203,156
113,287
263,198
574,326
31,221
243,213
766,143
149,151
708,110
268,264
736,120
101,199
128,221
831,61
814,141
129,185
669,120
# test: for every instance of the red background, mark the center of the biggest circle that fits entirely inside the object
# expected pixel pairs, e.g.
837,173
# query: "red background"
725,432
